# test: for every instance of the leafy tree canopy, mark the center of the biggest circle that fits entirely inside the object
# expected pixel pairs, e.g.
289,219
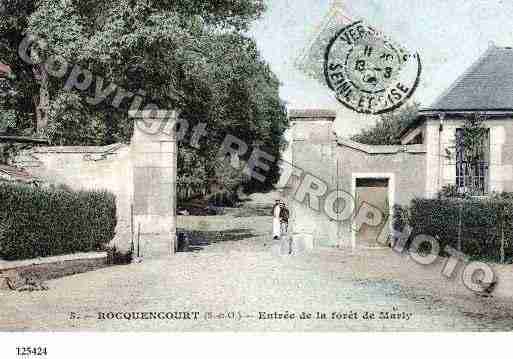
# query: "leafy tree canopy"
389,127
16,106
189,55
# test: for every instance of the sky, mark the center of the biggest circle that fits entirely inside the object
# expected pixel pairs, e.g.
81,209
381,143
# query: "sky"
449,36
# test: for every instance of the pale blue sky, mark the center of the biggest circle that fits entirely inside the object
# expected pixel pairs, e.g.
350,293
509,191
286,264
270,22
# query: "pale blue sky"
449,35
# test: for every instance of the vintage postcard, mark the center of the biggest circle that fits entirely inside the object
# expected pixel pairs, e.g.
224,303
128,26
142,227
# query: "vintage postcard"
255,166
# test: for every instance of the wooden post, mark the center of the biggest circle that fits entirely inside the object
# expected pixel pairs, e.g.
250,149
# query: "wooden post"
503,254
138,240
132,246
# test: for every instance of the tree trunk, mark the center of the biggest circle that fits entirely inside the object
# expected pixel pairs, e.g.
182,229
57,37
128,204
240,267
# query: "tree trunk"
43,102
460,213
3,153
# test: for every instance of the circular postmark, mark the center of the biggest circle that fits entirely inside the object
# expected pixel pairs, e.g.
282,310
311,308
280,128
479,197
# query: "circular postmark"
369,73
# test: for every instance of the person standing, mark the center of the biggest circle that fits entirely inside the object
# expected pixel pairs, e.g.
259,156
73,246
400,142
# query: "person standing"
284,218
276,220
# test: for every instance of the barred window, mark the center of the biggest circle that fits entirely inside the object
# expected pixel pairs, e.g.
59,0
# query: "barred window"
472,175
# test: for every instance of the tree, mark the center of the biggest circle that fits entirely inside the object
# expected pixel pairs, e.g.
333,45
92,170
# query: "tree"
182,54
7,115
7,99
188,55
389,127
16,116
473,137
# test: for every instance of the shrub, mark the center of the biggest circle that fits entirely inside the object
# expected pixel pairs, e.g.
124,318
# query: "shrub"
484,224
39,222
451,192
223,199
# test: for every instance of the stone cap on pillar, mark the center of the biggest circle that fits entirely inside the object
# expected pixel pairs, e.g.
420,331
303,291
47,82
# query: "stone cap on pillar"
313,126
157,125
312,115
153,114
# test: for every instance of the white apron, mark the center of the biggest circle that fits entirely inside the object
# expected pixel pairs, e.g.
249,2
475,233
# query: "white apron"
276,222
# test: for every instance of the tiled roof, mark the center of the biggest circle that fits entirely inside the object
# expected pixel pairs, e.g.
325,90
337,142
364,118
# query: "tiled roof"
312,113
486,86
10,173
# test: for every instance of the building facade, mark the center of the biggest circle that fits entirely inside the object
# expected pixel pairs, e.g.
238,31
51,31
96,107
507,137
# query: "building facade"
373,178
431,158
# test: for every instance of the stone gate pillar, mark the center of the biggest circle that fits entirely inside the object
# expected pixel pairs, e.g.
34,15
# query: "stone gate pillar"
154,157
313,151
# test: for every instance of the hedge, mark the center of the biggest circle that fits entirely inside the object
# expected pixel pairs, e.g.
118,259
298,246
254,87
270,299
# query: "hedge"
36,222
484,224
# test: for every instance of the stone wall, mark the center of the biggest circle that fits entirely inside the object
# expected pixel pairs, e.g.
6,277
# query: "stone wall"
403,166
86,168
142,175
338,162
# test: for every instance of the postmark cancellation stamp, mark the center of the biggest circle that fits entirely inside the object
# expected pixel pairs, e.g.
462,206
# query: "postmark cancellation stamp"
368,72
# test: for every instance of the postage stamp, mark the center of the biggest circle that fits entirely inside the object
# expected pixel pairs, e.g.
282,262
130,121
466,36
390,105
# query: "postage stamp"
368,72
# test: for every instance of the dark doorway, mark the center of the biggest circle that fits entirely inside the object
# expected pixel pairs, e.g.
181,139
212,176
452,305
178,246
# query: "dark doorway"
373,191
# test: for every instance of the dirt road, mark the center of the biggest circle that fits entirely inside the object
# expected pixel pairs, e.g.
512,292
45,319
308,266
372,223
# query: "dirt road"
231,281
